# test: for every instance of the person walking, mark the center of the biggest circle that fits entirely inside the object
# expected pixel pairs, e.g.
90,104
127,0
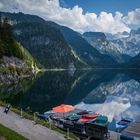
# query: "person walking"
7,108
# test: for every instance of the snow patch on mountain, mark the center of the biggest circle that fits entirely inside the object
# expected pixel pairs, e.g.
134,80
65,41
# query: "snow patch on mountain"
99,41
129,45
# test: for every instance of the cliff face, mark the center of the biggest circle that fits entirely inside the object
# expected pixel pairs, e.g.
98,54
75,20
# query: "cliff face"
13,69
15,62
46,44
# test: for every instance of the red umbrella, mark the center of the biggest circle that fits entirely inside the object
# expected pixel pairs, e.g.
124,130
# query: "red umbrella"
63,108
87,118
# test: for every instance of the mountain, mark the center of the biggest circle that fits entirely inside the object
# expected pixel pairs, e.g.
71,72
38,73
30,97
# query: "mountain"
99,41
56,46
43,41
129,45
20,17
135,32
95,35
134,62
84,50
46,44
135,38
117,35
15,61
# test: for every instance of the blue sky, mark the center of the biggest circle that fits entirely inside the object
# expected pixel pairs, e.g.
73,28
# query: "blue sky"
110,16
97,6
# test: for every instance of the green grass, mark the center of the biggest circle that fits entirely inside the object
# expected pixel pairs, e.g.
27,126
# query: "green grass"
9,134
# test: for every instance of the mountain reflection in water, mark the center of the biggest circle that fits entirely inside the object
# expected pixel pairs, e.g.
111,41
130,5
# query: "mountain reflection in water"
108,92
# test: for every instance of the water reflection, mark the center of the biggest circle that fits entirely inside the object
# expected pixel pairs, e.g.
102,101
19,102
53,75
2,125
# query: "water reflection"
121,98
13,93
87,83
49,90
109,92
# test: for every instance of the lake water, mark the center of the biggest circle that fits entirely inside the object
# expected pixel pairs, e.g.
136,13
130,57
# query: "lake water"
113,93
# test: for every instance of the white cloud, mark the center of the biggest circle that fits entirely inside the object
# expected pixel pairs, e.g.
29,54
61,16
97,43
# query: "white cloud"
72,17
1,5
113,107
133,17
105,22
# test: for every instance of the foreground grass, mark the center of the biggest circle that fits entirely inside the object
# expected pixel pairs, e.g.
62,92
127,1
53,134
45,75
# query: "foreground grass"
9,134
41,122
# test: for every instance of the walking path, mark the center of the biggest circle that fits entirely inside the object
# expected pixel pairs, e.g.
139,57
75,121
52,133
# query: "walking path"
27,128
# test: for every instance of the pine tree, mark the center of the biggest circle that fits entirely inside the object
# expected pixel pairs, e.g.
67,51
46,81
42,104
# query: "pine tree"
0,25
7,31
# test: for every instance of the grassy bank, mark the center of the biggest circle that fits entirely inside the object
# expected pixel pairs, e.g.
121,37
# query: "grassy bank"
8,134
41,122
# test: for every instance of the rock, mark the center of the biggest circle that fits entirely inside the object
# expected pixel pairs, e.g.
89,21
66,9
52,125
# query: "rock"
13,69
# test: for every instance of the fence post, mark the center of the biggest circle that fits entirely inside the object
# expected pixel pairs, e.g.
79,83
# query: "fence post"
35,117
68,132
21,113
50,125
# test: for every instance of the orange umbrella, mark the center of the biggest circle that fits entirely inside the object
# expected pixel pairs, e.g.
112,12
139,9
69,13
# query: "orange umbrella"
63,108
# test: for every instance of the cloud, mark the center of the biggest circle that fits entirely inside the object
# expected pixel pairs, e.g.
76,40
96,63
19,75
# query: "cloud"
133,17
105,22
1,5
113,107
73,17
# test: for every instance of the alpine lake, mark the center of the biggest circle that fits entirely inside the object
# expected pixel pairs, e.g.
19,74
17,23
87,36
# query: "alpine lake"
114,93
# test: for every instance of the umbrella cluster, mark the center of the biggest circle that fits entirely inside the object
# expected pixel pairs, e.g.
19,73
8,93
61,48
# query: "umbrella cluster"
63,108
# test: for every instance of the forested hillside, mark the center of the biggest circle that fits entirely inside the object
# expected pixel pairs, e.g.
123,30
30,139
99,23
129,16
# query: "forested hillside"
15,61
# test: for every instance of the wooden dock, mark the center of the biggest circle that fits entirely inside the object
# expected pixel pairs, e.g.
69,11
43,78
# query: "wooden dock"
133,129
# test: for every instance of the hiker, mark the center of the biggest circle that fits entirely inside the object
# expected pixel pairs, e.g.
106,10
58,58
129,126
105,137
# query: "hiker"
7,108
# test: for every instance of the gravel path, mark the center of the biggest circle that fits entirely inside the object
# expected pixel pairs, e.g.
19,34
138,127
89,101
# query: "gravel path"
27,128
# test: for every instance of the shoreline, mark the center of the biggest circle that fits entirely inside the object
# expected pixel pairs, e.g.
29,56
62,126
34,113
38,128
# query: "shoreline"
61,69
